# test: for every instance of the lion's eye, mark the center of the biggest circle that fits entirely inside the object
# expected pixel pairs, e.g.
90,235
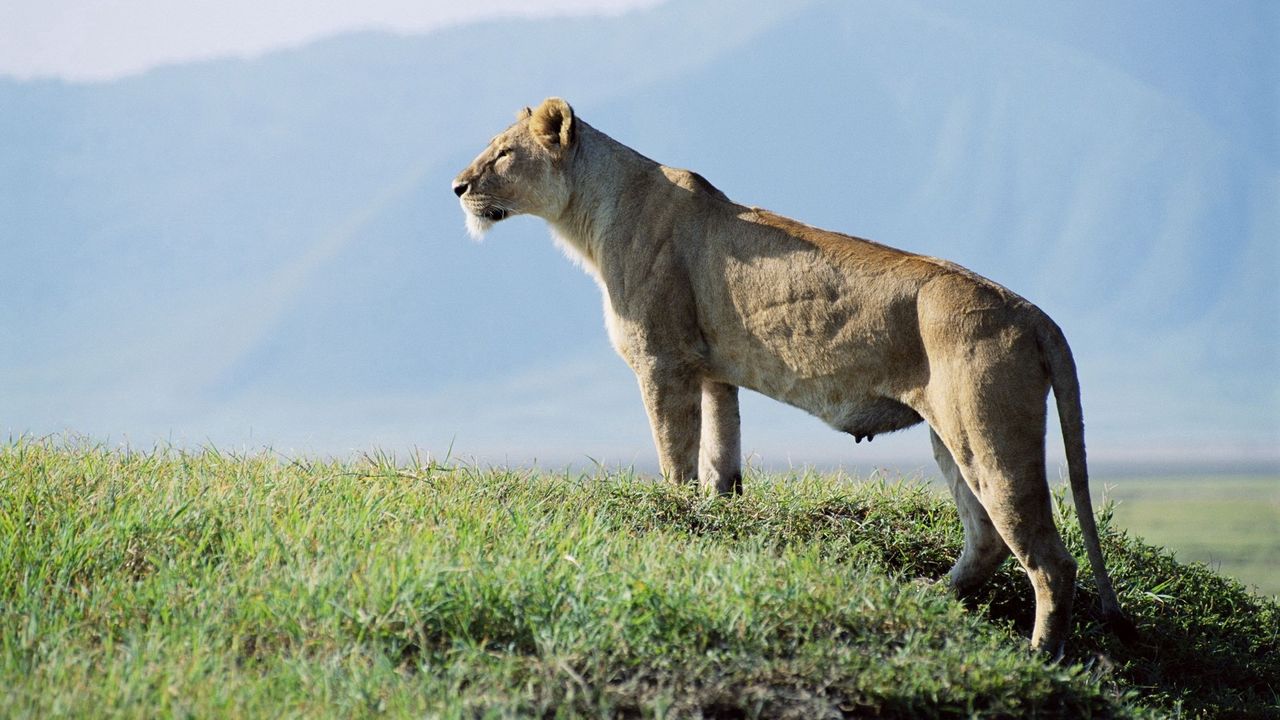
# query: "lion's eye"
503,153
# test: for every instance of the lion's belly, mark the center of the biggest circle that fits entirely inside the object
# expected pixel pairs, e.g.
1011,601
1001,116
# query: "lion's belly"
858,402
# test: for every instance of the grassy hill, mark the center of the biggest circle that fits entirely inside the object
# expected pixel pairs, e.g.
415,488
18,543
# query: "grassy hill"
168,583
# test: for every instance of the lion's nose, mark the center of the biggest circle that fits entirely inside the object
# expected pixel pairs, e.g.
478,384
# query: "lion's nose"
459,188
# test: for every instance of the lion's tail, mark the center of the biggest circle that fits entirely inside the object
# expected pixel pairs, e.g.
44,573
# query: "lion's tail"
1066,392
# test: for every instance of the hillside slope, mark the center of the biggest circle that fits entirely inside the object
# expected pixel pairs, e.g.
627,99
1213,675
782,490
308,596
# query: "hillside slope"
212,584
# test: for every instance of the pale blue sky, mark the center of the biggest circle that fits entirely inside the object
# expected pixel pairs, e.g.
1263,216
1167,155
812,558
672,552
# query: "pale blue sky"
103,39
266,252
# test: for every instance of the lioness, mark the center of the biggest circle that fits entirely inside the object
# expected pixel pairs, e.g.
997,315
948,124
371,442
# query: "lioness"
703,296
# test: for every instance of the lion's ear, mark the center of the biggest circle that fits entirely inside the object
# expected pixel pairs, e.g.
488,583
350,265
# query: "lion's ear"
552,124
524,114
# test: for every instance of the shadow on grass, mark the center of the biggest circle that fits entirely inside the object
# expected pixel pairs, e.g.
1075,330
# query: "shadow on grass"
1208,646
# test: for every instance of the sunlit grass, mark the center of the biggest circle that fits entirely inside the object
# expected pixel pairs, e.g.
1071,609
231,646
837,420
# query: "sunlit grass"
144,584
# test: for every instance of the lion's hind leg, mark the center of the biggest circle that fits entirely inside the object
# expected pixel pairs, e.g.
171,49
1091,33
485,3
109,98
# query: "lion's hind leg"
1050,567
1013,490
999,449
984,549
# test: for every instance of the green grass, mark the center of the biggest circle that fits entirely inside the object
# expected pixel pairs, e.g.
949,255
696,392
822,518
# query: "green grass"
1231,523
166,583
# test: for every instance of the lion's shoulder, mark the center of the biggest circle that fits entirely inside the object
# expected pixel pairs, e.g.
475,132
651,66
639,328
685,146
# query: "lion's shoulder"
690,181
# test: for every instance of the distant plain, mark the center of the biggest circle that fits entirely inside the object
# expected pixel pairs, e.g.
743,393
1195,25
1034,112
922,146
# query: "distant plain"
1229,522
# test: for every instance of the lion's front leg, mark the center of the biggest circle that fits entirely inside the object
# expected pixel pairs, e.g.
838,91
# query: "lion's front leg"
720,457
673,400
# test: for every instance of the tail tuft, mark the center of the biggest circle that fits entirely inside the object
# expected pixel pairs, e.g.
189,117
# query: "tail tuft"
1122,627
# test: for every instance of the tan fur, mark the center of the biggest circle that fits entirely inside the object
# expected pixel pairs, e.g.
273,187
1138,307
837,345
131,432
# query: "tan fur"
703,296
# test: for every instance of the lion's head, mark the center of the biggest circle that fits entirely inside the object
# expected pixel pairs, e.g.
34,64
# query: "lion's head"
522,171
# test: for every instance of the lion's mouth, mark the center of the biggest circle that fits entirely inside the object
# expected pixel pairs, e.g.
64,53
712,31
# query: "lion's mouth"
485,208
493,213
481,214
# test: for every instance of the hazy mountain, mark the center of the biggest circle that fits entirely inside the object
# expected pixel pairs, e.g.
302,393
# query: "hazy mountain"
267,251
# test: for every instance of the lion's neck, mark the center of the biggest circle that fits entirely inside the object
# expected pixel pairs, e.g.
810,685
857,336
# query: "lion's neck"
602,168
